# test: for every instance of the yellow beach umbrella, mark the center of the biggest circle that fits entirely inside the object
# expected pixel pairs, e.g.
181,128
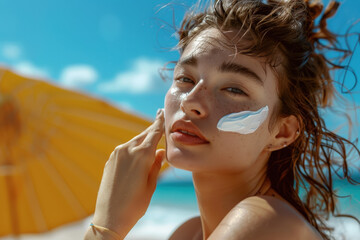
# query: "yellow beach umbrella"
53,146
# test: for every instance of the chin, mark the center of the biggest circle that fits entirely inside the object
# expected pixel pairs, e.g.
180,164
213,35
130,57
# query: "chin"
185,160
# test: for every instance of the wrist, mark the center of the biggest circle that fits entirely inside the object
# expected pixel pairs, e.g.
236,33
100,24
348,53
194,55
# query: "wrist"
121,226
101,233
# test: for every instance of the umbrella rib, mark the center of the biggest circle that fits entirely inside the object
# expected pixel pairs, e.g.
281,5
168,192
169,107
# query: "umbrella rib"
81,145
95,133
35,205
103,118
31,196
62,186
61,128
75,169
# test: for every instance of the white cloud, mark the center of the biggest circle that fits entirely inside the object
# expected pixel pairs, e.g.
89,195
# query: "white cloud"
28,69
11,51
143,77
78,76
126,106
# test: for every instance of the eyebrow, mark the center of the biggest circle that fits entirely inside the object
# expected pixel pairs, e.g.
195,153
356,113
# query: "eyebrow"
225,67
240,69
191,60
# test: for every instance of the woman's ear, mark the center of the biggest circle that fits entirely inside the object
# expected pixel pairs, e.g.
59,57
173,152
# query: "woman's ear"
287,132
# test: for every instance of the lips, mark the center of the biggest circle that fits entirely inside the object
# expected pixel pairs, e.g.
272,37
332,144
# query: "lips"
185,132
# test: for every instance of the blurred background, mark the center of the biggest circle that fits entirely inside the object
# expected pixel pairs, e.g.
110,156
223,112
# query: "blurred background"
113,51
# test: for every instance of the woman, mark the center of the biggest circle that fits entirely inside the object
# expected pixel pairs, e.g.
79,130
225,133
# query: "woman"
242,116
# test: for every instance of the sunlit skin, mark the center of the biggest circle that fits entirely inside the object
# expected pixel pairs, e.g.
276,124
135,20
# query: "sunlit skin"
229,167
235,198
201,94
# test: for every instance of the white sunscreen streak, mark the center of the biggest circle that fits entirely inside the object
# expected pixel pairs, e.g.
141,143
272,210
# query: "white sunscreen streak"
244,122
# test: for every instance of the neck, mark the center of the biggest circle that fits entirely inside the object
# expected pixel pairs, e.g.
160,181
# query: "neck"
217,194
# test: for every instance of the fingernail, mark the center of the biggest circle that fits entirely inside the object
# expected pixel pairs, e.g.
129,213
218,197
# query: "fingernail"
158,111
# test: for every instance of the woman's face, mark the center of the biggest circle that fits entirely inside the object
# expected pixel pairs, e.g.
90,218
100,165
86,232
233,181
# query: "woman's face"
210,82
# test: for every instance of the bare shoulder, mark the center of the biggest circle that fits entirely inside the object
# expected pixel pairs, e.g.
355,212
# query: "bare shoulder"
264,217
188,230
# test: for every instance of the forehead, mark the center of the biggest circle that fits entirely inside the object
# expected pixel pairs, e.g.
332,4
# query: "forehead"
223,39
206,42
214,47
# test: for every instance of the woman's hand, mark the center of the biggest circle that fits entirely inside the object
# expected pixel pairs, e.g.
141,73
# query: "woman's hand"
129,180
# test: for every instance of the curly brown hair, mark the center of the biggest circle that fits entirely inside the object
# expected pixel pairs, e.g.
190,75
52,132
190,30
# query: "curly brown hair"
285,33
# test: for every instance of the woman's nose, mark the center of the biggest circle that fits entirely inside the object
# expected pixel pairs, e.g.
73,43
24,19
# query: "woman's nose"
195,104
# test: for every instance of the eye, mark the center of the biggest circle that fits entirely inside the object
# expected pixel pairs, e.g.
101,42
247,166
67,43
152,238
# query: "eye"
184,80
236,91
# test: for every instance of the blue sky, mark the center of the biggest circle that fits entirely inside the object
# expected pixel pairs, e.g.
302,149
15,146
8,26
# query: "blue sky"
110,48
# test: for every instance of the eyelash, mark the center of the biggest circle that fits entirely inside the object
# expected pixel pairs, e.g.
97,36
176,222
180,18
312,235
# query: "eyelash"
181,80
235,91
231,90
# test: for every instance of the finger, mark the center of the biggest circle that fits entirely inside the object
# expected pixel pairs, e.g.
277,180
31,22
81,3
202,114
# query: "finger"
153,137
155,169
140,138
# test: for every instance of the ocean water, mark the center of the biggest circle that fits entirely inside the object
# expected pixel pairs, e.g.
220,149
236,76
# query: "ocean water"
174,203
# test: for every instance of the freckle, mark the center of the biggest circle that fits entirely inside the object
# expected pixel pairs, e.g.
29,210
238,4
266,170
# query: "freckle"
246,108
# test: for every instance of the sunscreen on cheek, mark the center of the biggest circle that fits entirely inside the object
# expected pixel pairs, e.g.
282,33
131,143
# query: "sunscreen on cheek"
180,95
244,122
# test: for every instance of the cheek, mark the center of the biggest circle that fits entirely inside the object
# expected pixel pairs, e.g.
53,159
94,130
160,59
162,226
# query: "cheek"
227,108
245,145
236,144
168,110
166,102
238,152
171,104
173,100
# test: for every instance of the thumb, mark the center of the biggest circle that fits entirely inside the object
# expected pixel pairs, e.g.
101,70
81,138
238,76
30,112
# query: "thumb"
155,168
